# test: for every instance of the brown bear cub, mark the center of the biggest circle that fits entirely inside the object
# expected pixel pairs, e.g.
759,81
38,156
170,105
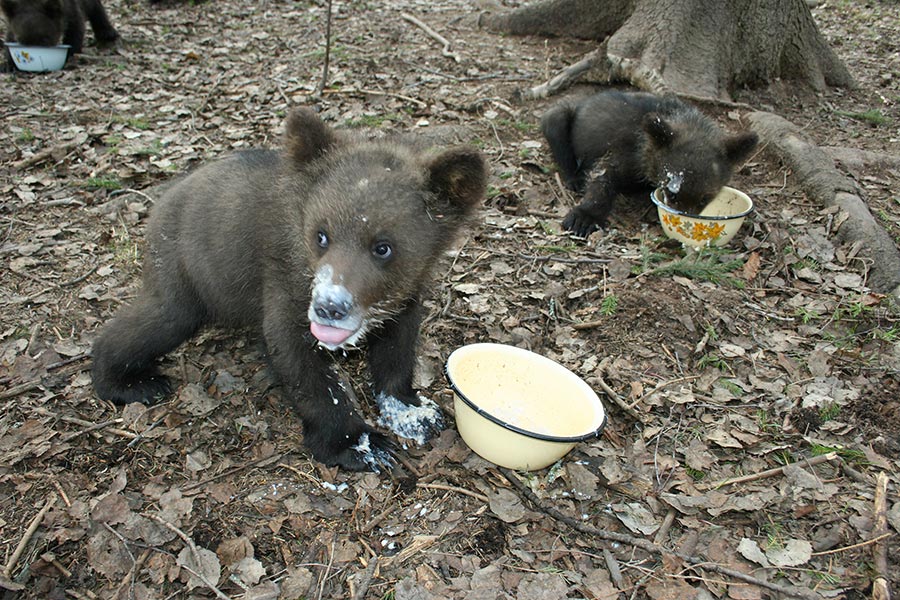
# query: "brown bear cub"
46,22
632,142
317,247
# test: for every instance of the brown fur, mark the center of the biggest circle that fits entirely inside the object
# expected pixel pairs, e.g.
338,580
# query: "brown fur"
244,242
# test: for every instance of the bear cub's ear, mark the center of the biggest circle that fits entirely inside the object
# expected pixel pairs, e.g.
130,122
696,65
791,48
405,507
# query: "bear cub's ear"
307,137
738,147
458,178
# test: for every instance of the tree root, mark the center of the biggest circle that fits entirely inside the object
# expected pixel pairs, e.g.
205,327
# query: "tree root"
606,68
817,176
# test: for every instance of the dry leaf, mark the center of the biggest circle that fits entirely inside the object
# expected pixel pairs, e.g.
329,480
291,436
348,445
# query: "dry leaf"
507,505
199,575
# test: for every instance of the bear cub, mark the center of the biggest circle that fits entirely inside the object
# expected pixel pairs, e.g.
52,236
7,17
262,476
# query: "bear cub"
51,22
633,142
319,246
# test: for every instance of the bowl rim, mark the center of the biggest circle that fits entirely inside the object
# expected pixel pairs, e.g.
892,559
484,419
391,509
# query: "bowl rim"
531,434
675,211
18,45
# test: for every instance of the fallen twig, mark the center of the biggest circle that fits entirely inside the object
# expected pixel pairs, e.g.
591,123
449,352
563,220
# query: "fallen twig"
92,427
663,530
26,537
83,423
62,492
450,488
659,387
349,90
194,552
192,486
418,544
618,401
140,436
328,566
43,155
130,577
51,558
28,386
810,462
67,361
20,389
365,580
656,549
374,521
863,544
881,586
445,51
324,83
566,77
546,257
612,565
79,279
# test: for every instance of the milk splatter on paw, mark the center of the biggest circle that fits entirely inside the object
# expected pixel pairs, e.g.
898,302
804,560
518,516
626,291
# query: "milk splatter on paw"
377,458
417,423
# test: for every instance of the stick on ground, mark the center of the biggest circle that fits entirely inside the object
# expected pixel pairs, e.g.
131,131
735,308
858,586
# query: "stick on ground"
881,587
29,533
445,51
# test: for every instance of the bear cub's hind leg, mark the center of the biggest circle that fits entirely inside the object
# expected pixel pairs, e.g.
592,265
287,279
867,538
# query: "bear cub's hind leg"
124,356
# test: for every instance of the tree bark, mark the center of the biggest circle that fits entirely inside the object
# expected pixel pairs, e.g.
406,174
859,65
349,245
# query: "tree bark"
702,48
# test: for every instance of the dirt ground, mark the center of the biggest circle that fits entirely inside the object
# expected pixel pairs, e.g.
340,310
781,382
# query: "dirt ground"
770,353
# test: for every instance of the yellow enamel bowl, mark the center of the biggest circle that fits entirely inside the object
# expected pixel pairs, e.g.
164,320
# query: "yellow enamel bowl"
38,58
519,409
714,226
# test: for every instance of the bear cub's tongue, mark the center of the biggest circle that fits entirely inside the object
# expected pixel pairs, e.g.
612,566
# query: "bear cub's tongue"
333,336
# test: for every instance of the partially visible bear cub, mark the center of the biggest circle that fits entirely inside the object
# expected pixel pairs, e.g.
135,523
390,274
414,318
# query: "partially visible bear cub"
51,22
615,142
321,245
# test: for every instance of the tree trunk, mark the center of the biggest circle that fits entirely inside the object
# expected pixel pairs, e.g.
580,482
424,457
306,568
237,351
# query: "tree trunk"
694,47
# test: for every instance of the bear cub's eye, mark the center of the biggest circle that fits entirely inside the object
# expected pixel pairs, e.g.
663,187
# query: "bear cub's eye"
322,239
382,250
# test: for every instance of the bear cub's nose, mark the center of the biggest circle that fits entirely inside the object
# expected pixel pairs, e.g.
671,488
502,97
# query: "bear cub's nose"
332,311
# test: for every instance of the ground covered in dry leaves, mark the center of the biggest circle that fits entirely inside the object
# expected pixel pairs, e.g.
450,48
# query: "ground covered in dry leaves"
769,354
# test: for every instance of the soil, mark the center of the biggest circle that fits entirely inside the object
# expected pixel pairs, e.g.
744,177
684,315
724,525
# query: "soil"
728,362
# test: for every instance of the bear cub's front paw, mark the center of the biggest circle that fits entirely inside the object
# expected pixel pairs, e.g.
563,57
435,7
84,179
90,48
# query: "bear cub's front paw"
581,222
418,419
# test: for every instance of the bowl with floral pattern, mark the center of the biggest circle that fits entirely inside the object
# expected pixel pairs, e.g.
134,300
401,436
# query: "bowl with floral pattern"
716,224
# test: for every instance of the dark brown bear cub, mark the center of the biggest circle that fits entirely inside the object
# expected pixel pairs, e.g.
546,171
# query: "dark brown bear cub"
319,246
46,22
636,142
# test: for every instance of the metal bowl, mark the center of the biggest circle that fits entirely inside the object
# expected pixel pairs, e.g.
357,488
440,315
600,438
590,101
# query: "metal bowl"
716,224
519,409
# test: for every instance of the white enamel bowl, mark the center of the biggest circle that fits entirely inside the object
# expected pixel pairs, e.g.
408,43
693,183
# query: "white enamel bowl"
519,409
38,58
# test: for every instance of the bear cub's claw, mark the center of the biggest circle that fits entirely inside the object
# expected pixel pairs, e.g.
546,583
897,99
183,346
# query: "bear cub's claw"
579,223
372,452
